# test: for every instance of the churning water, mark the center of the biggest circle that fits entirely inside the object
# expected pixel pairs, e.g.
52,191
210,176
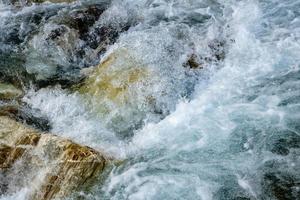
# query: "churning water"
228,131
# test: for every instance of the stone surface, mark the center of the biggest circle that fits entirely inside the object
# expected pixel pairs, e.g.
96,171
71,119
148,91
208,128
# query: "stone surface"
54,167
111,78
9,108
9,92
117,90
11,105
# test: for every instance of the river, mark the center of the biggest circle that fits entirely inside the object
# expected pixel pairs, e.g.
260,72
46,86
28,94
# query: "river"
230,130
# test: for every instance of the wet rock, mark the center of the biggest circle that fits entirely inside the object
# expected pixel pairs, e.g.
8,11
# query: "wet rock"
11,70
216,53
120,91
21,112
9,97
112,86
229,188
52,166
56,33
83,19
9,92
8,108
280,179
78,165
229,192
193,62
11,105
217,48
49,44
195,18
102,77
281,142
18,29
68,42
124,91
95,34
19,3
32,117
100,37
281,186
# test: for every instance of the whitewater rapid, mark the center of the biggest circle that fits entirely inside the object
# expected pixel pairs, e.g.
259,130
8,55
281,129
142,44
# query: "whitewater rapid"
217,146
236,132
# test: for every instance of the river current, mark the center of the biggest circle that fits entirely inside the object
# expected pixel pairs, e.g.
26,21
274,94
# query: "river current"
228,131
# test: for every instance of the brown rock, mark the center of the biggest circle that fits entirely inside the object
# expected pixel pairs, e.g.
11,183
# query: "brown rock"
52,166
9,109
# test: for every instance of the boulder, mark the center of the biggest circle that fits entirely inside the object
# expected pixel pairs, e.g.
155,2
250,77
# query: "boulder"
116,89
51,166
111,79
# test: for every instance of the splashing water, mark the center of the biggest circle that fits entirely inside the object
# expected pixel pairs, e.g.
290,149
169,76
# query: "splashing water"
231,130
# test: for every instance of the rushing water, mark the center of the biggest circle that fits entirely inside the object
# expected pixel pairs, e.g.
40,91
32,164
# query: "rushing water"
228,131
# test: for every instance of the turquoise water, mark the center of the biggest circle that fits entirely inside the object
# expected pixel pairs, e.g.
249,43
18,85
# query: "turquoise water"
229,131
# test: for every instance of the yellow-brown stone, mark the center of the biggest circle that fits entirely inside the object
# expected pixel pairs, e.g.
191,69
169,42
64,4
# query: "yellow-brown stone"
112,78
55,166
119,90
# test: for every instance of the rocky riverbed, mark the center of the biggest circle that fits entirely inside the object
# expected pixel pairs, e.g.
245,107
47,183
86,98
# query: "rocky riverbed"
149,99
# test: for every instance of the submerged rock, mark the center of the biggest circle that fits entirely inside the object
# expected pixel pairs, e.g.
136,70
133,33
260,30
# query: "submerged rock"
28,2
216,53
113,87
83,19
52,166
11,105
280,179
126,91
111,78
70,40
282,142
280,186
